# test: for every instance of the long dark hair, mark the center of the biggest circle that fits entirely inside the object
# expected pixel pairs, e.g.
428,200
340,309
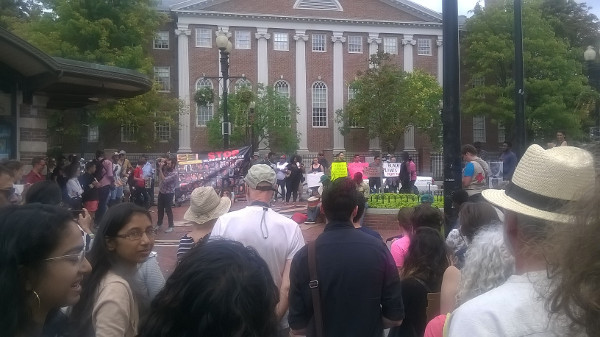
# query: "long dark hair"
219,289
28,234
426,258
102,260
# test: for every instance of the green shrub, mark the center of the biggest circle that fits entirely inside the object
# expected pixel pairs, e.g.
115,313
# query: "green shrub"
397,201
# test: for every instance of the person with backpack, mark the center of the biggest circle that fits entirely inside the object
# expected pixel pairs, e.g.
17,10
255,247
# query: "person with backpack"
105,177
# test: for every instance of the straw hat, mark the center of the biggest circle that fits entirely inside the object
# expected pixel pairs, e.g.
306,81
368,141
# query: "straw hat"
546,180
206,205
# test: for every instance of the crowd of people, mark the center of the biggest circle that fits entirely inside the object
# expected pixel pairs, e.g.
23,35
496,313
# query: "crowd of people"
519,262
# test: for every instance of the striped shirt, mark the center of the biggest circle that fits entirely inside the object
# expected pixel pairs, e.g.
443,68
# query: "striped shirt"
186,243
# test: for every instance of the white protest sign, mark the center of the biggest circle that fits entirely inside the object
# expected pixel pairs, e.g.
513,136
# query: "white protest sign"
391,169
313,179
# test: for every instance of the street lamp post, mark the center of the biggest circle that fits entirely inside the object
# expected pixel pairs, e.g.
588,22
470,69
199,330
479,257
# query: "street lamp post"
251,115
225,47
593,72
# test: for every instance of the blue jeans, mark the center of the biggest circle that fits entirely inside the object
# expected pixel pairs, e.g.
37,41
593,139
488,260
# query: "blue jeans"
117,193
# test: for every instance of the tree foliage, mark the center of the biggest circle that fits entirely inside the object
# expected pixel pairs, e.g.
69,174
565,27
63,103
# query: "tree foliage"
111,32
556,94
573,22
387,100
272,121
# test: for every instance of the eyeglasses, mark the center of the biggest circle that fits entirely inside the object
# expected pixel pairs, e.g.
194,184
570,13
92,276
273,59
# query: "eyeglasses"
75,258
137,235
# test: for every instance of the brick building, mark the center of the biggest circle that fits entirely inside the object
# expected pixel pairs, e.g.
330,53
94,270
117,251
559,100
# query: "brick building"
308,49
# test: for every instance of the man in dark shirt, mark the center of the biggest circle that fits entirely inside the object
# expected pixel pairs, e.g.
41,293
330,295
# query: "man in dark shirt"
358,282
509,161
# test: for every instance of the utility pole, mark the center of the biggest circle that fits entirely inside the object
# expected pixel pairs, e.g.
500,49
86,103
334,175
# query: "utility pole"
519,85
451,109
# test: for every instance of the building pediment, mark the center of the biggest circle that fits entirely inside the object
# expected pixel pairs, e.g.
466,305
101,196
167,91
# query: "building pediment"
356,10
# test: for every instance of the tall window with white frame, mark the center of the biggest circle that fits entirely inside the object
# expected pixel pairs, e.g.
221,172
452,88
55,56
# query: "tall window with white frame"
128,132
203,37
204,113
161,40
281,41
93,134
355,44
351,94
479,129
162,75
243,83
424,47
318,42
242,39
390,45
162,132
501,133
283,88
319,105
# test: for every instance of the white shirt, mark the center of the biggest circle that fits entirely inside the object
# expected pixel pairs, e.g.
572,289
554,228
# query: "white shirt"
74,189
514,309
283,237
280,171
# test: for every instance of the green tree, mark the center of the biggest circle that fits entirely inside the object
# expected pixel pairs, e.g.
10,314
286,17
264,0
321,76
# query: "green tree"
387,100
557,97
272,121
573,22
110,32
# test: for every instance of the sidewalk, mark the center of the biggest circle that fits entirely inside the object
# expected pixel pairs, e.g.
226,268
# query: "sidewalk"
166,243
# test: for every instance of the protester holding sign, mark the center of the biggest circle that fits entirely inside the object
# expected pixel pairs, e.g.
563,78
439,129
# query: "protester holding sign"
339,169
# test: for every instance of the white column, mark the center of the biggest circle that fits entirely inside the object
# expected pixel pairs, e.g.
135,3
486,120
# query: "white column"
409,135
301,101
338,88
440,60
374,42
408,44
263,61
183,70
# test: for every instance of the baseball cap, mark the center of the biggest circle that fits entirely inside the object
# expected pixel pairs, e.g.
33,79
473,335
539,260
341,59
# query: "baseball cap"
261,173
122,152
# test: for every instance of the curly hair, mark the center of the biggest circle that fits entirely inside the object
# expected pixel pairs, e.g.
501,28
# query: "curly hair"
488,263
573,264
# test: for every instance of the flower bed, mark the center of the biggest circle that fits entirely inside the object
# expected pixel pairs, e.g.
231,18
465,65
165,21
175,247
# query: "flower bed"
397,201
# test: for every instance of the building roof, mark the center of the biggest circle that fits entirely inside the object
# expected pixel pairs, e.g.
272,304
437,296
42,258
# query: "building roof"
67,83
389,10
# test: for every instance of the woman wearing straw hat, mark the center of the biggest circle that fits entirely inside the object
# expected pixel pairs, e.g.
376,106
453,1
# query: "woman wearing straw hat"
205,208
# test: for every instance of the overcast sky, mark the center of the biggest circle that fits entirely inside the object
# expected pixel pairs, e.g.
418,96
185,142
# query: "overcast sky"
464,6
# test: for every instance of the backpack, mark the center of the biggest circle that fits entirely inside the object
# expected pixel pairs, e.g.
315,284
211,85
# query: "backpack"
100,171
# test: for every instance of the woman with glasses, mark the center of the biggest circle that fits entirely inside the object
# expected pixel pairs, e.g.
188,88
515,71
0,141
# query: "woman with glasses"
113,298
42,264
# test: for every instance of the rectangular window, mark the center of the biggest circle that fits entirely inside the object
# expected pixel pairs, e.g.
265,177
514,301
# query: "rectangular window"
479,129
162,75
478,81
203,38
351,95
424,47
281,42
204,113
319,106
162,132
355,44
161,40
390,45
242,39
93,134
501,133
318,42
128,133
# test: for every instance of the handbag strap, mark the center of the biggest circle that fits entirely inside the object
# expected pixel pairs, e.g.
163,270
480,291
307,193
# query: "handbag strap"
313,284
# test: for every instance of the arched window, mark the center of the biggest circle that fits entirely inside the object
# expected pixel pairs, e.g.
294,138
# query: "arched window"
319,104
243,83
351,94
204,113
283,88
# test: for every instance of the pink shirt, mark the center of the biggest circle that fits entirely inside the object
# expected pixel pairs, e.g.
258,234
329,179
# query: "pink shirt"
435,327
413,170
399,249
108,173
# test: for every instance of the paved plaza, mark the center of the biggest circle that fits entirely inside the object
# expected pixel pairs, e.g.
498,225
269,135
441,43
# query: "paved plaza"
166,243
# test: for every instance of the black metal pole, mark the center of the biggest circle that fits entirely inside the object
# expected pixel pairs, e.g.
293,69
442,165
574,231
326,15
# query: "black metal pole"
225,75
519,85
251,119
451,110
